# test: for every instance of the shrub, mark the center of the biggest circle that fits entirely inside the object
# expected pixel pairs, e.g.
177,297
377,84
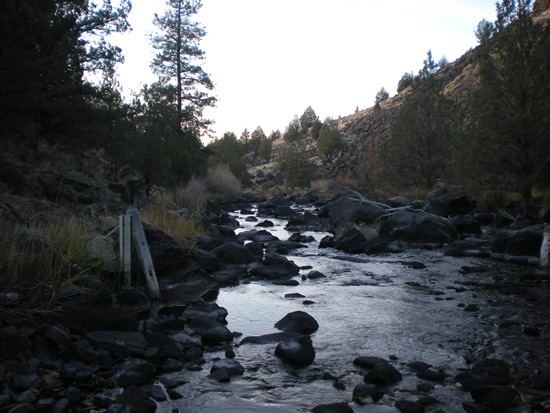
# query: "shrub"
221,182
192,196
330,138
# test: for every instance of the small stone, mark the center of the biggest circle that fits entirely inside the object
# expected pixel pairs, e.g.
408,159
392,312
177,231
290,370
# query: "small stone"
408,406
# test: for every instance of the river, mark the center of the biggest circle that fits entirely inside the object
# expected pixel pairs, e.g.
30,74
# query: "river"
373,306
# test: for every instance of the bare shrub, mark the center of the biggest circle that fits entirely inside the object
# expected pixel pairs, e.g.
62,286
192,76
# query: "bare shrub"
221,183
193,196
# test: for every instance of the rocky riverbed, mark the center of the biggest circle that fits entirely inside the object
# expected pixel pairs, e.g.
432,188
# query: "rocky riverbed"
297,304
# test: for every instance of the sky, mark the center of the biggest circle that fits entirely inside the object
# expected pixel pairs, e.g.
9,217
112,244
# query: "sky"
271,59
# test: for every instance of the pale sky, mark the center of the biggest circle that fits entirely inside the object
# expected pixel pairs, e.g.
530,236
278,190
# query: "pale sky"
271,59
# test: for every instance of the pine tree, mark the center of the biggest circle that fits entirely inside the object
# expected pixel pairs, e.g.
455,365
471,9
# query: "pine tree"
176,62
508,146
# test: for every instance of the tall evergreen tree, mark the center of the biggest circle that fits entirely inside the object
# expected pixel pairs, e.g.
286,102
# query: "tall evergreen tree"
508,147
177,61
46,47
419,149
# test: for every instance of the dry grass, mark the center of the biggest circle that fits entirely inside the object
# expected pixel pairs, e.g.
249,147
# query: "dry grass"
221,183
36,261
163,212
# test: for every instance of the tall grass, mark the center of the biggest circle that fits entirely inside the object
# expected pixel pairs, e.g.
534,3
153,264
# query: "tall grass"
221,183
162,211
36,261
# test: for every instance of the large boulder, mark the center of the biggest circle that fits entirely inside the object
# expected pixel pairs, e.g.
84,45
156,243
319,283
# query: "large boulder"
522,242
275,266
299,322
450,201
418,228
344,212
232,253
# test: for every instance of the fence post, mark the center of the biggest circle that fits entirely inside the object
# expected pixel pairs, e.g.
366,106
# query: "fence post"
125,245
140,243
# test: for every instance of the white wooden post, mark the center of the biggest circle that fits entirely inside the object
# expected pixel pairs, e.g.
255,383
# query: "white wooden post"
140,242
125,244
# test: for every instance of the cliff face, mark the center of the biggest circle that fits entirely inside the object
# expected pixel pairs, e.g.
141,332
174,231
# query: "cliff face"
359,129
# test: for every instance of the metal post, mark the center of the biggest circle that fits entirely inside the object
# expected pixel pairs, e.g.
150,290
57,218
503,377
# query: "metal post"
125,244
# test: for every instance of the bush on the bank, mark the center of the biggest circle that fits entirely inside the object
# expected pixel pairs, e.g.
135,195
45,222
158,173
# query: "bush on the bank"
221,183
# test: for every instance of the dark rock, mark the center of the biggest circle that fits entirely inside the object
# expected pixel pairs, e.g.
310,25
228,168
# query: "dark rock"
297,237
171,365
485,372
366,394
232,253
408,406
104,399
496,397
466,224
256,249
368,361
132,400
432,375
297,351
473,407
351,240
541,382
211,331
397,202
531,331
89,293
424,387
314,275
77,372
61,406
450,201
22,408
131,296
135,372
89,354
154,391
468,247
418,228
202,309
284,212
207,260
276,266
341,407
119,343
283,247
471,308
288,283
383,373
232,367
345,212
220,375
327,242
418,365
174,395
523,242
269,338
299,322
85,319
294,295
266,224
74,395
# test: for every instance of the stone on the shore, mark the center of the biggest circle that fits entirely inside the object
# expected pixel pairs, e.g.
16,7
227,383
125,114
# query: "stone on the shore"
366,394
383,373
341,407
119,343
418,228
135,372
232,366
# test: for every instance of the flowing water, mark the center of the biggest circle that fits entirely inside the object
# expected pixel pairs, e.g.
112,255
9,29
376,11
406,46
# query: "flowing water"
369,306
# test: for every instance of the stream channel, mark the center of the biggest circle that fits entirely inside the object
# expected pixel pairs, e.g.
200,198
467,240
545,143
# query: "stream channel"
373,306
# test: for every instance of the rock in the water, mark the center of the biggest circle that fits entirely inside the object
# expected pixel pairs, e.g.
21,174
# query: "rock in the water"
297,351
299,322
366,394
383,373
132,400
341,407
496,397
232,367
418,228
522,242
408,406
